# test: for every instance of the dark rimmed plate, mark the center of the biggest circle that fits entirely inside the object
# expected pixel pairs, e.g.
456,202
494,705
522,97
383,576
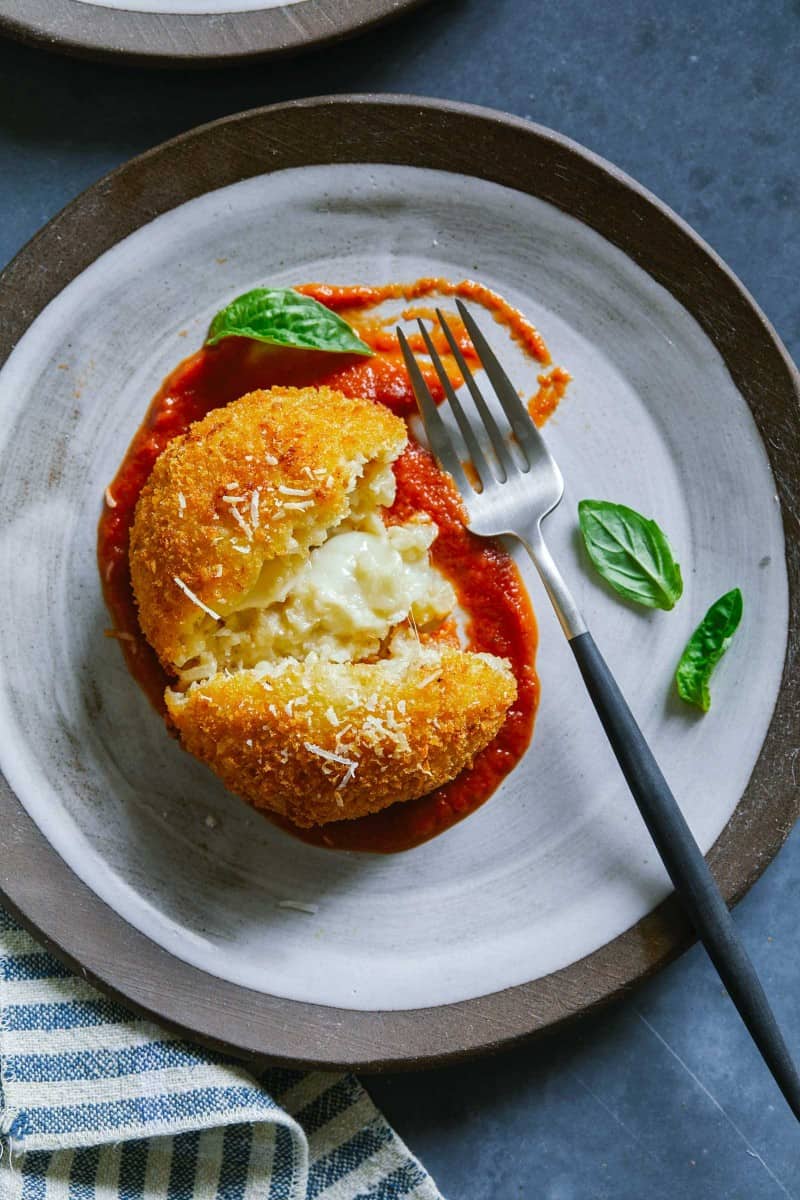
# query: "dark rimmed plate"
538,907
163,32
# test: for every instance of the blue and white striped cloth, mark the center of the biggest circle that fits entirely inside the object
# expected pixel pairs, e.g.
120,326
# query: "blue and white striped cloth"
98,1105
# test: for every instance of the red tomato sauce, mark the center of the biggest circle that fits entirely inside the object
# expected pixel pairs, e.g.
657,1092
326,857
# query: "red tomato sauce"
499,616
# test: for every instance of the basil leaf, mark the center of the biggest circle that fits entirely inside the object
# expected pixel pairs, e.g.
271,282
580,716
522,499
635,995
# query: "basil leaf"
283,317
631,553
706,647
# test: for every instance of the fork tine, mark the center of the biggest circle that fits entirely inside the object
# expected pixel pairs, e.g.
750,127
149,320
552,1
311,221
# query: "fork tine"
519,418
505,461
474,450
438,435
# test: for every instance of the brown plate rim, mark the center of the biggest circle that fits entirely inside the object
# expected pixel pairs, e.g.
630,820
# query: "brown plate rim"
70,919
190,39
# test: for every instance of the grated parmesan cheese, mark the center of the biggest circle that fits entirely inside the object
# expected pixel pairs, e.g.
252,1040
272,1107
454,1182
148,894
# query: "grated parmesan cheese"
351,770
121,636
329,756
240,521
187,591
387,729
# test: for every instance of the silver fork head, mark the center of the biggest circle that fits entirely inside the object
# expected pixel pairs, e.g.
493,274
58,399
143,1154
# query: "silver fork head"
514,491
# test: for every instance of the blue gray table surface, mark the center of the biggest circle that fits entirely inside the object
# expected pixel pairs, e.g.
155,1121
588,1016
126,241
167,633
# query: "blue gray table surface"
662,1094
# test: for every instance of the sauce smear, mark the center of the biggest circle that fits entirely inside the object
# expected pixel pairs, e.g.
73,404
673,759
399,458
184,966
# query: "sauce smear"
499,616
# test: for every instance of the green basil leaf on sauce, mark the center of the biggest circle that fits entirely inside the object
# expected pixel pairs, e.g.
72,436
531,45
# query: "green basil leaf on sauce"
631,553
706,647
284,317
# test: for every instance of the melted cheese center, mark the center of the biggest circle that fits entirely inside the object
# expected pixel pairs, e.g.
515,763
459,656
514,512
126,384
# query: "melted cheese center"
341,604
357,586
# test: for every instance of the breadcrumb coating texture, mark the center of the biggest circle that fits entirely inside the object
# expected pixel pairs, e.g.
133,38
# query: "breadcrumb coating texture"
321,741
290,462
232,510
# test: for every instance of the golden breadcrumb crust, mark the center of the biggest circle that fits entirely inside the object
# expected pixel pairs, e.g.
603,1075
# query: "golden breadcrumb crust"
408,725
299,451
264,480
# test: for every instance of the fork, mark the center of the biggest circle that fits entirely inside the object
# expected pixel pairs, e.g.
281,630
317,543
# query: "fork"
513,499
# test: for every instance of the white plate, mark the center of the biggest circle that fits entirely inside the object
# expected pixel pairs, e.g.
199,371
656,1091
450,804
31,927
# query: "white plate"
557,863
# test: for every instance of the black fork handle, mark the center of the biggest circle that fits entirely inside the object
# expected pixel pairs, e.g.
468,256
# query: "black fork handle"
686,865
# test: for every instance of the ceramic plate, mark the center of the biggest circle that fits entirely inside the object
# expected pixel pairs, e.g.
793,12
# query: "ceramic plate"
190,31
126,854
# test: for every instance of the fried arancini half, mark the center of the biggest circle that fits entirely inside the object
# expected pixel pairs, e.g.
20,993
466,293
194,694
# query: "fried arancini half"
321,741
303,635
259,481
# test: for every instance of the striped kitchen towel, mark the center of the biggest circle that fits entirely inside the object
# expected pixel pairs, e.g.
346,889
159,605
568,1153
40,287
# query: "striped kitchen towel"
96,1104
